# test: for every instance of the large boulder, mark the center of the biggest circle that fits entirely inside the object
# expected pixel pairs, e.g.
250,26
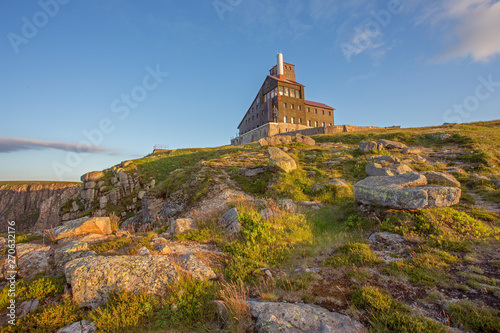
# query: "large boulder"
180,226
92,278
407,191
368,146
388,144
305,140
294,318
71,251
92,176
34,262
375,169
84,225
230,222
279,160
441,178
275,140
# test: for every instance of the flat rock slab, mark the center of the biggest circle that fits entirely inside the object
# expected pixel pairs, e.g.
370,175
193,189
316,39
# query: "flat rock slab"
83,326
92,278
441,177
376,169
408,191
388,144
281,161
85,225
295,318
367,146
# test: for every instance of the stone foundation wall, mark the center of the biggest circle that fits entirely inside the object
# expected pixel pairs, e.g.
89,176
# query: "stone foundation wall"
272,129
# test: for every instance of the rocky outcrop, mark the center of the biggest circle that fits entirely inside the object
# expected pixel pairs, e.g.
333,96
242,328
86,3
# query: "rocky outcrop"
32,259
407,191
35,206
83,326
92,278
281,161
180,226
82,226
230,222
294,318
367,146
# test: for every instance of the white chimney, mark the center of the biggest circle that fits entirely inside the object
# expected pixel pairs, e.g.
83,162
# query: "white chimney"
281,69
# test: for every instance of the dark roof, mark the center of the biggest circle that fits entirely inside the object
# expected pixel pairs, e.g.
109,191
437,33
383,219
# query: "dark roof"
285,80
320,105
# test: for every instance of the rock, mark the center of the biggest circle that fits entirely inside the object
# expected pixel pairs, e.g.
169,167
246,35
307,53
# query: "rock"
89,185
85,225
70,252
386,159
407,191
317,187
294,318
368,146
412,151
280,160
230,222
83,326
92,278
34,262
311,157
287,205
141,195
103,202
268,213
170,208
27,307
305,140
163,249
180,226
375,169
496,182
388,144
143,251
441,177
92,176
386,238
122,233
339,182
74,207
254,172
196,267
443,137
275,140
311,204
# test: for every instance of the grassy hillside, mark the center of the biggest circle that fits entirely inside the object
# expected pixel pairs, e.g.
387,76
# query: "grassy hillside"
445,273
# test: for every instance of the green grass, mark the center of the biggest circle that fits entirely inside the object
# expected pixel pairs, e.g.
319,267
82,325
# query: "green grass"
353,254
387,315
478,318
111,244
201,235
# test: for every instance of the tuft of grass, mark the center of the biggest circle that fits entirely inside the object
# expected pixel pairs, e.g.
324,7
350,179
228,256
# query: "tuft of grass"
388,315
353,254
234,296
478,318
201,235
297,282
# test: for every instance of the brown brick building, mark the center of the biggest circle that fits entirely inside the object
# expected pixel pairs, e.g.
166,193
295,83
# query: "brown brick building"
281,101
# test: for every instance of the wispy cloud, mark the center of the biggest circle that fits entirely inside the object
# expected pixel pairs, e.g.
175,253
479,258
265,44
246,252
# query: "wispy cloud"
475,25
8,145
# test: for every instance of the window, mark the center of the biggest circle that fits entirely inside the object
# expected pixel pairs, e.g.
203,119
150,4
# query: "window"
284,119
323,124
300,120
309,123
257,116
287,91
292,120
308,109
297,93
292,106
299,107
330,124
330,113
315,110
281,91
292,93
322,111
315,124
284,105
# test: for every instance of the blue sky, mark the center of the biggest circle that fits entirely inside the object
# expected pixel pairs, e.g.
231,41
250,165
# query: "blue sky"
87,84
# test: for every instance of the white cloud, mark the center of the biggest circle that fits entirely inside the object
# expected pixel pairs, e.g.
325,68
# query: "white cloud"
475,25
8,145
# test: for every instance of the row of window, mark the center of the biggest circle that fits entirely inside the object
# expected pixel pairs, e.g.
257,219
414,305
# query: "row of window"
282,91
308,109
292,121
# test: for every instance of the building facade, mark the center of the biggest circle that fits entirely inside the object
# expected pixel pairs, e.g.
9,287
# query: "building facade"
281,100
